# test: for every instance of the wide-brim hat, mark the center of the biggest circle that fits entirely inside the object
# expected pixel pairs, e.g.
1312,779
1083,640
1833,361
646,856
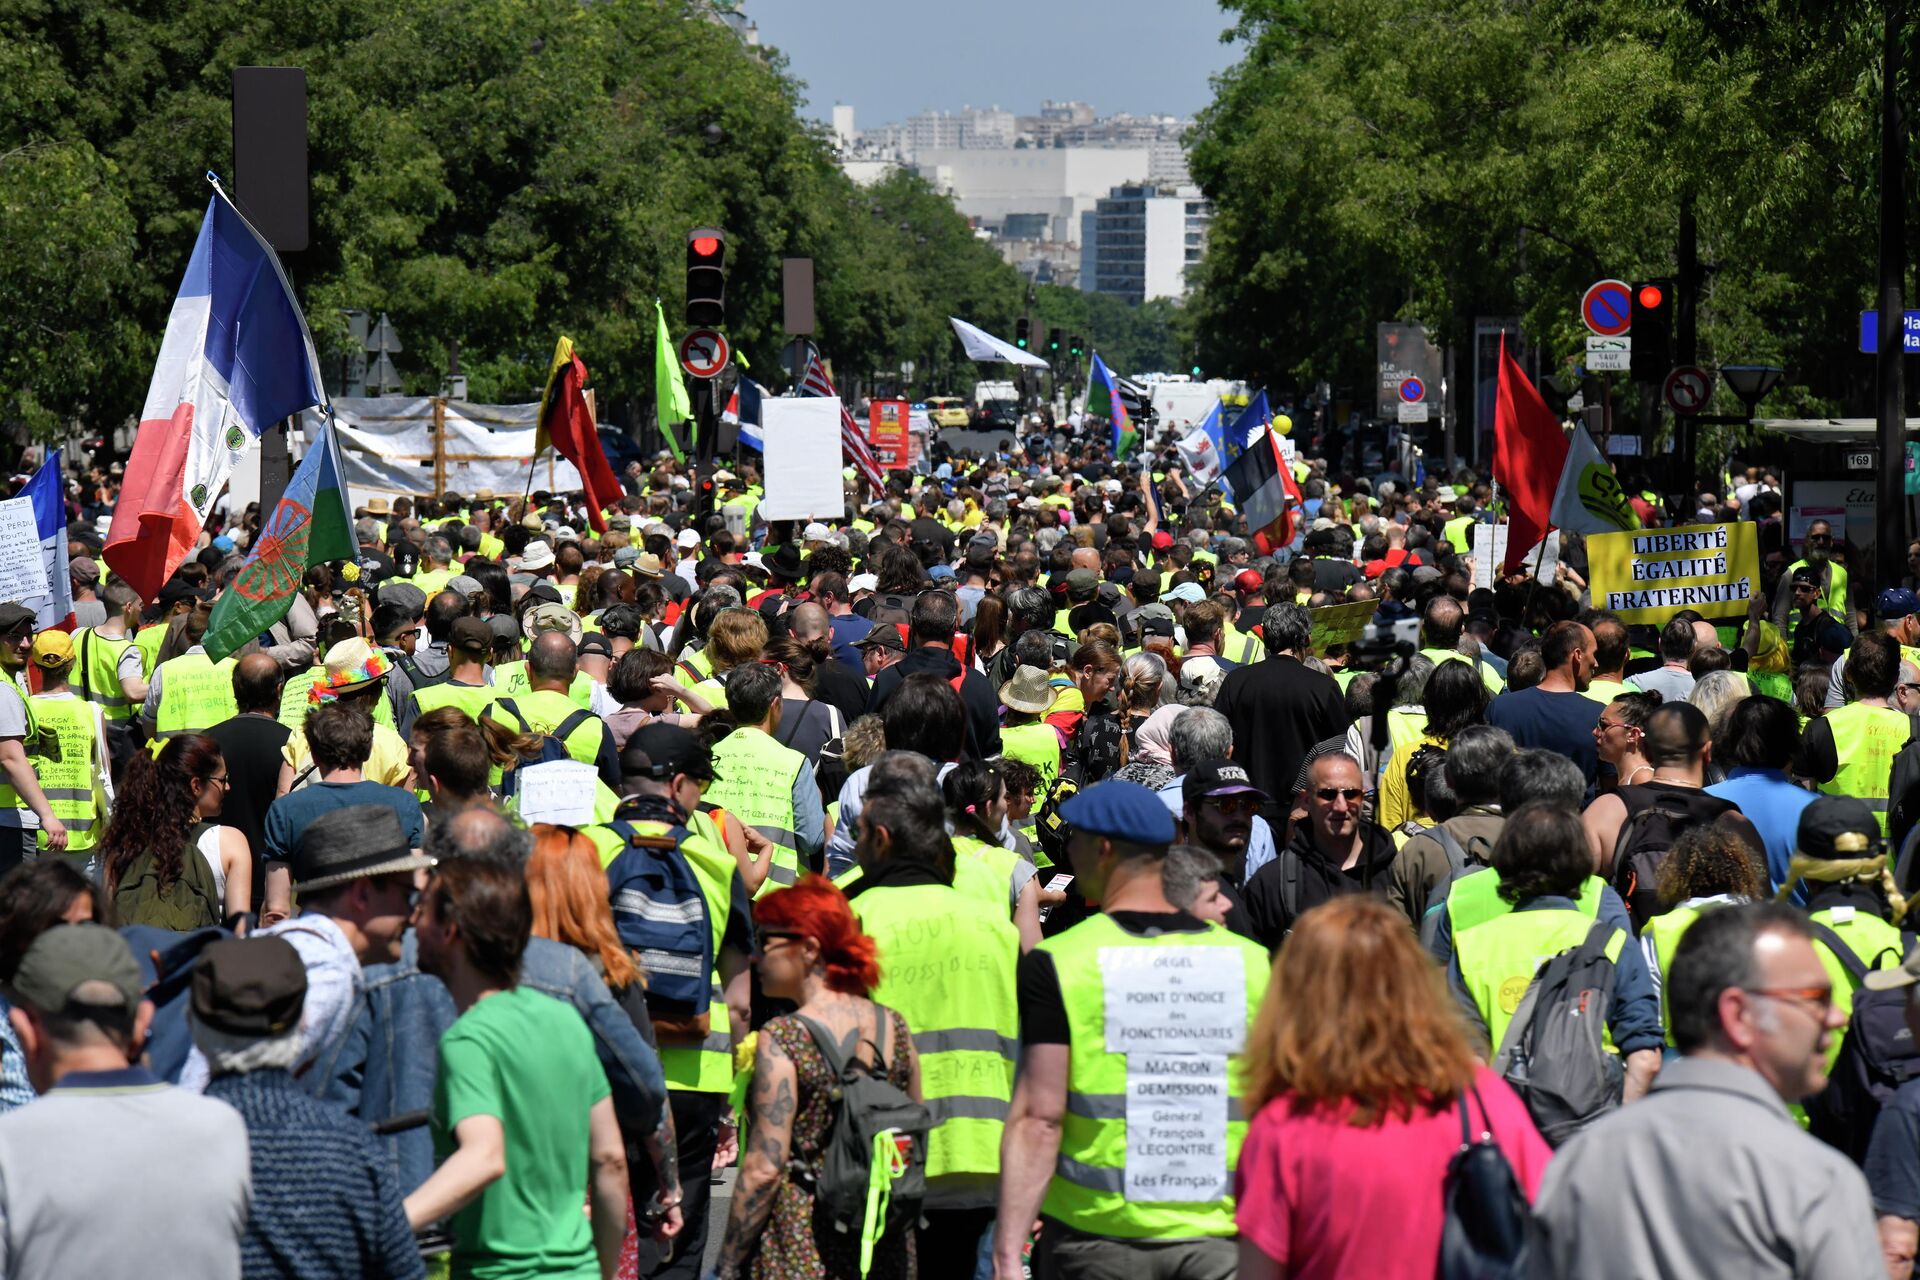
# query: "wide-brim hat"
351,665
538,555
1028,692
350,844
785,562
551,617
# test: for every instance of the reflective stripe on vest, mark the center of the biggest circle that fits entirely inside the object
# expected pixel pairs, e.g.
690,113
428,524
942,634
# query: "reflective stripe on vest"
1865,741
1475,899
1087,1192
196,693
755,784
1499,958
100,664
947,965
708,1066
65,761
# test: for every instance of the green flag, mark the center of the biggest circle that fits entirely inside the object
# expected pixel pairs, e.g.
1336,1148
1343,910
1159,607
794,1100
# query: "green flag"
669,388
311,525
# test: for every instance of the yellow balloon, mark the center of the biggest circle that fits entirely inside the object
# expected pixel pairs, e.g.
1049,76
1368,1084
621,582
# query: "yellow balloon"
1282,424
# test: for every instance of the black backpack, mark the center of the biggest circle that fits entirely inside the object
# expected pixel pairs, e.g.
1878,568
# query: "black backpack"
1646,839
1489,1230
874,1121
1876,1056
1552,1053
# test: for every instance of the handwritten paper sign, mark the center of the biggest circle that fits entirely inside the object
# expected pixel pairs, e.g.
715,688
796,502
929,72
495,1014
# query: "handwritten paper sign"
556,791
1649,575
23,574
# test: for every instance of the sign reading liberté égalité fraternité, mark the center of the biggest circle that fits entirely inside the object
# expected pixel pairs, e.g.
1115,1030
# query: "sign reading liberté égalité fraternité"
1648,575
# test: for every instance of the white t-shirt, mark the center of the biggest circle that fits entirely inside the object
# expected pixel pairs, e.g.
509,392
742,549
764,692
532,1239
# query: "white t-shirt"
209,846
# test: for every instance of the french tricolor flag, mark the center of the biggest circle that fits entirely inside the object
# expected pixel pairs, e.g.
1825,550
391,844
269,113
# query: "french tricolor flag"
53,611
237,358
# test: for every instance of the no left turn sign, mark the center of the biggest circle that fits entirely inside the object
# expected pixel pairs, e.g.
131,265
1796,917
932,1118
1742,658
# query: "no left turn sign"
704,353
1687,389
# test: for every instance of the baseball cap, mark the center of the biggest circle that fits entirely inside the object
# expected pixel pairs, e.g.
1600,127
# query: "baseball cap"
1190,592
884,636
1806,575
1895,602
594,642
940,572
688,538
816,532
249,986
68,956
1249,581
1120,810
471,634
863,582
1162,540
624,557
83,569
659,751
52,650
1081,583
1218,778
1838,827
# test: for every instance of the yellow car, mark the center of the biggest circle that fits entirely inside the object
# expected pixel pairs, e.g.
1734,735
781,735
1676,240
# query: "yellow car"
948,411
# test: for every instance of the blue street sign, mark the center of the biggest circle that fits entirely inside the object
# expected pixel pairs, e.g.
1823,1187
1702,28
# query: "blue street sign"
1870,332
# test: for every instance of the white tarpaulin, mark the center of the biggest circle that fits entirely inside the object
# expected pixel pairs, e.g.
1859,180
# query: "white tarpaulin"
981,345
387,448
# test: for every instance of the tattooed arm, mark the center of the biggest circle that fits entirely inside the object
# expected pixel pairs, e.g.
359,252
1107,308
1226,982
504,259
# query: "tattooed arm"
771,1108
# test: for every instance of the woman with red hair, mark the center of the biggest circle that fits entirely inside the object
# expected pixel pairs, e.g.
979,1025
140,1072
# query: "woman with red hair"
811,951
1358,1066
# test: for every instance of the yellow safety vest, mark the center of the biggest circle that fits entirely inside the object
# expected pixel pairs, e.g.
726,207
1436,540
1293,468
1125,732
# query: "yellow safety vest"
947,966
9,797
985,870
98,666
708,1066
67,764
1865,741
1475,898
755,784
1867,936
474,699
1089,1190
1499,957
1037,744
1488,676
148,640
196,693
1456,532
543,711
432,581
1605,691
1833,597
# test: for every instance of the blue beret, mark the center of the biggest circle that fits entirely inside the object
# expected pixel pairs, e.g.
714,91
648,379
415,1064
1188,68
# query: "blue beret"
1120,810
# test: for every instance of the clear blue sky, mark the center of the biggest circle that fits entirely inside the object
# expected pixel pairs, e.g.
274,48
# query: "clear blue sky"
890,59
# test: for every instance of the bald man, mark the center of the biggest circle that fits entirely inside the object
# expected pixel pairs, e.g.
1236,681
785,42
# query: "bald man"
251,742
548,709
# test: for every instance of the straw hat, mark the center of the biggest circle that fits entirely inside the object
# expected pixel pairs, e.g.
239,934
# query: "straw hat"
1028,692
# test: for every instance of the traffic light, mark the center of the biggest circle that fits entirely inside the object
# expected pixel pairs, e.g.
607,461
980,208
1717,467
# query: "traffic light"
1053,341
1021,330
1075,346
706,276
1196,372
1652,330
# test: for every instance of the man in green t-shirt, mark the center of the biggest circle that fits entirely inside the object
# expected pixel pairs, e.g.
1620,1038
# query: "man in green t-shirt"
521,1104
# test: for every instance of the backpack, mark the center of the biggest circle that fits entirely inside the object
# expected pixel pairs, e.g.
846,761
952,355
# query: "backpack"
872,1173
191,901
660,912
891,609
1461,861
1876,1057
1488,1230
1641,848
549,746
1552,1054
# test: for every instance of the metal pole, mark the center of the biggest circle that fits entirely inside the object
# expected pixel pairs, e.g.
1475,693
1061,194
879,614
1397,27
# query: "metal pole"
1890,544
1446,411
1687,335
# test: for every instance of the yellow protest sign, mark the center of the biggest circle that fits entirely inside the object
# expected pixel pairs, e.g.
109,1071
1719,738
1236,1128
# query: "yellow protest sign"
1340,623
1649,575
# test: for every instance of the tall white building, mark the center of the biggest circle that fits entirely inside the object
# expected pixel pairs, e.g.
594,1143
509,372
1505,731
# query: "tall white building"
1059,183
1140,242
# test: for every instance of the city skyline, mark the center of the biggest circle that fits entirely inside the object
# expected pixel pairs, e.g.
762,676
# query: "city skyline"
1000,52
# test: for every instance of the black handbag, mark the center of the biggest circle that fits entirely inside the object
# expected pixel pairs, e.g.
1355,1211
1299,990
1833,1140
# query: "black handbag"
1490,1232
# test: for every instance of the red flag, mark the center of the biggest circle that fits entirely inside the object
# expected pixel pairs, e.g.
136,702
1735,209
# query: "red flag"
1529,453
568,423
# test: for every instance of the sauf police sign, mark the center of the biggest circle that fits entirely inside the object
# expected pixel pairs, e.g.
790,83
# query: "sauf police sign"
1649,575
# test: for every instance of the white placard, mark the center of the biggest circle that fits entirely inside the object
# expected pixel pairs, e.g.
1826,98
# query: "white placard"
556,791
1174,999
1176,1126
23,574
1490,549
802,435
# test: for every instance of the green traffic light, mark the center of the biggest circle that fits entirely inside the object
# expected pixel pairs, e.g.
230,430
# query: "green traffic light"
1196,371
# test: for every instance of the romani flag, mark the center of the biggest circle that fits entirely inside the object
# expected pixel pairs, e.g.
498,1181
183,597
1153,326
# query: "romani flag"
312,524
1264,490
566,423
1105,403
236,359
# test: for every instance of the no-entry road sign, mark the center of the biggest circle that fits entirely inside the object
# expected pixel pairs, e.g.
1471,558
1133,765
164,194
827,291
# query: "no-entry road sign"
1687,389
1607,308
704,353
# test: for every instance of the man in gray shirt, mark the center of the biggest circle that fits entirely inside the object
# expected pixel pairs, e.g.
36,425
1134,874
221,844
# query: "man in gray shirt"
1671,680
1709,1175
111,1172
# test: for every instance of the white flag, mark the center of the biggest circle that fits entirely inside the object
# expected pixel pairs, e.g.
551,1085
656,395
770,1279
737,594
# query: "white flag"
1197,451
1590,499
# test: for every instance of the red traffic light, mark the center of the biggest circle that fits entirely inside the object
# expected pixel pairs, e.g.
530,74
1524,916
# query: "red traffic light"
706,246
1651,296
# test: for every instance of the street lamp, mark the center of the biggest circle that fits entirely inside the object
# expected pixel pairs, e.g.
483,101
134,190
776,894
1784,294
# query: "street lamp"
1752,382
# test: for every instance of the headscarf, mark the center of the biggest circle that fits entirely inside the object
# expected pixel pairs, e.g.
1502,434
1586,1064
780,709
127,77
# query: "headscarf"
1153,741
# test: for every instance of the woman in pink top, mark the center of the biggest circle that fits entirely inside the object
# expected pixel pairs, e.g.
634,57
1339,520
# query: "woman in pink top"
1355,1066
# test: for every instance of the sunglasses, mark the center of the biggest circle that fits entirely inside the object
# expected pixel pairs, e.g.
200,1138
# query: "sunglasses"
1351,795
1821,998
1242,804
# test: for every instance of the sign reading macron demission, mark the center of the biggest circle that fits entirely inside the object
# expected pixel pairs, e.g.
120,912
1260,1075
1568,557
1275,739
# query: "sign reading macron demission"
1649,575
